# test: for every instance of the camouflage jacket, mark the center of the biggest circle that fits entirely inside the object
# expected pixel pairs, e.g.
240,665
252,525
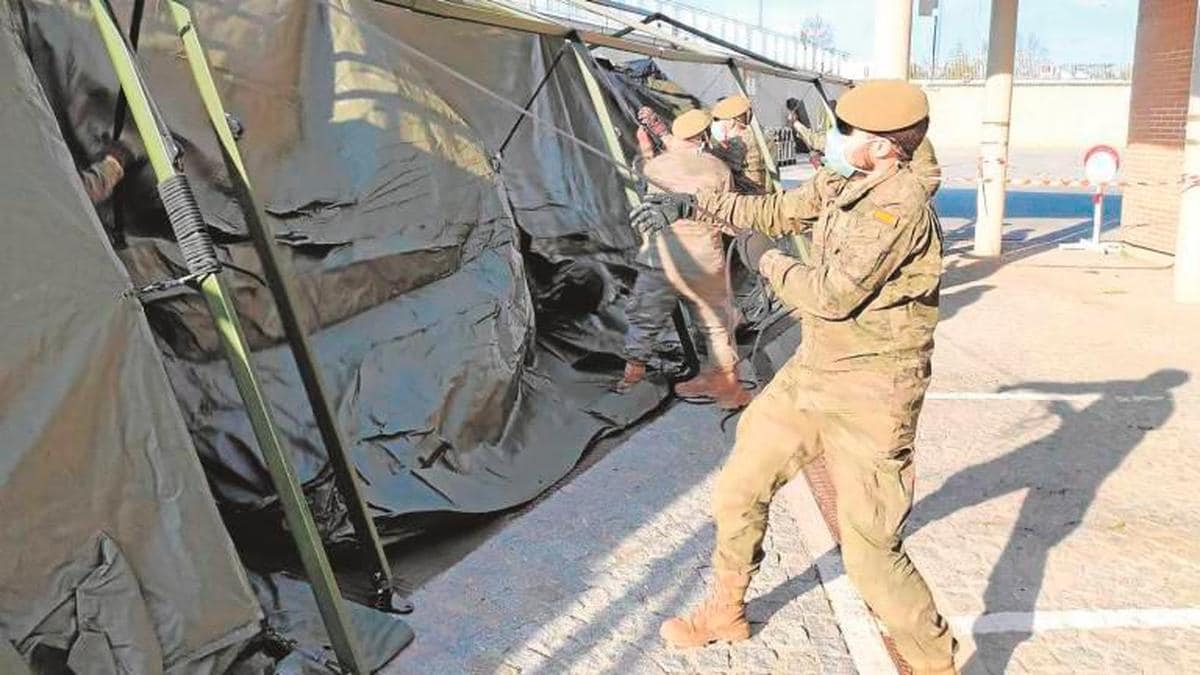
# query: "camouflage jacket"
101,178
744,158
869,298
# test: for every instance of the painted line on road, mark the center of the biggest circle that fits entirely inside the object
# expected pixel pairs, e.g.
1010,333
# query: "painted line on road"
1034,396
1080,619
859,629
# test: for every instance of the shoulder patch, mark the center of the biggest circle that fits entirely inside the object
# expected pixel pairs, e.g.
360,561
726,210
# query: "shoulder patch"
885,217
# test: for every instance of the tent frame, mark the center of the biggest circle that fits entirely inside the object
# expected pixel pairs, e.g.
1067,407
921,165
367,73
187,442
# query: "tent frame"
278,277
212,287
207,276
523,21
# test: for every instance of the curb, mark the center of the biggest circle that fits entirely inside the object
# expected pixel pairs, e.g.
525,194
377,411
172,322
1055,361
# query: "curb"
859,629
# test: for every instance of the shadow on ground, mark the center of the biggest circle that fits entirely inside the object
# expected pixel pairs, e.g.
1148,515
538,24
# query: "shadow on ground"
1019,242
1061,474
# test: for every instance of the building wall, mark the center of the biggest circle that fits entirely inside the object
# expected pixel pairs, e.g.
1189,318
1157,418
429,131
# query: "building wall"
1157,114
1045,115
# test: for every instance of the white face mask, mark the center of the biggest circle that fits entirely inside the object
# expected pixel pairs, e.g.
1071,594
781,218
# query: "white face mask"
720,131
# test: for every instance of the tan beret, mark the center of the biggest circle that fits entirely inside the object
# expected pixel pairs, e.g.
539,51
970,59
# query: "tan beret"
883,105
731,107
691,123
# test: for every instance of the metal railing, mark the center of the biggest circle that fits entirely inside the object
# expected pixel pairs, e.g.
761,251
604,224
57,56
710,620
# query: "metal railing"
974,69
788,48
782,142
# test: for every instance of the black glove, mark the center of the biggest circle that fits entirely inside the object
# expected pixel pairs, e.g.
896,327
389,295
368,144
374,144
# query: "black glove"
752,246
660,210
118,151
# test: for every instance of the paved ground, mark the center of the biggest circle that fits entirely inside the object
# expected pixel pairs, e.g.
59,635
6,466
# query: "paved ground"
1057,516
581,583
1067,499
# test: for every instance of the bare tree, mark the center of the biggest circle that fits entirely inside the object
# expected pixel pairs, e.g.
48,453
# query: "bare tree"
1032,57
817,31
962,65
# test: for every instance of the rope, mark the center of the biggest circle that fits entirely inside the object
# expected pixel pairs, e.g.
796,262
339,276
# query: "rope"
603,155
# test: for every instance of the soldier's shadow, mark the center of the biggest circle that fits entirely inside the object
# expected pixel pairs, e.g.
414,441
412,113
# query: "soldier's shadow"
1061,473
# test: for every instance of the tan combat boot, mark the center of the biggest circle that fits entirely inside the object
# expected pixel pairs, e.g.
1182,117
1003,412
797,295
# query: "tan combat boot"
697,386
635,371
722,386
720,618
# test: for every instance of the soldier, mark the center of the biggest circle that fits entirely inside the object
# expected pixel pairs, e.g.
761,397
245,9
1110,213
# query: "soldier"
869,301
686,258
101,177
924,161
739,148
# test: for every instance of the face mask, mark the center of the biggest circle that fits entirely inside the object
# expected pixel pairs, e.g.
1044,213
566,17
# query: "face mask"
718,131
836,146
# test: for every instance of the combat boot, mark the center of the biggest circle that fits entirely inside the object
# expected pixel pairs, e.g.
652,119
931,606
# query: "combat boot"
722,386
720,618
697,386
635,371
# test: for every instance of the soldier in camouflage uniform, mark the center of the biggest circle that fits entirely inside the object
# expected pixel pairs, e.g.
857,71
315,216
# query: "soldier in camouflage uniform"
854,390
739,149
924,163
686,260
101,177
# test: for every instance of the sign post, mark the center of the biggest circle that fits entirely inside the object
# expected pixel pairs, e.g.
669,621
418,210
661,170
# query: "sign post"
1100,166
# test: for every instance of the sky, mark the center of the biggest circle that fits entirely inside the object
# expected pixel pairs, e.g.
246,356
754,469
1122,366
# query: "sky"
1071,31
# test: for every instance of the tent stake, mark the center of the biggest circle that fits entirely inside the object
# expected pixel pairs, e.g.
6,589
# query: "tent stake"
162,155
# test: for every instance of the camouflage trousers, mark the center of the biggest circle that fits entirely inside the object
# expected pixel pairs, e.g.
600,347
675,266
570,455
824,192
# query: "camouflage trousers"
863,423
688,264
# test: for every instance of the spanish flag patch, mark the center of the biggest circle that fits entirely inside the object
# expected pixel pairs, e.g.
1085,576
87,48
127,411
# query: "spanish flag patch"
886,217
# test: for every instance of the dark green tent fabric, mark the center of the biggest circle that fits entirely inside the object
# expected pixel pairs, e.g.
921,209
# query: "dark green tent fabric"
113,554
470,346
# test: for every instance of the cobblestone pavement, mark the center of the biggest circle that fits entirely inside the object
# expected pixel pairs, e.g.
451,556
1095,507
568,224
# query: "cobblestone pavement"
581,583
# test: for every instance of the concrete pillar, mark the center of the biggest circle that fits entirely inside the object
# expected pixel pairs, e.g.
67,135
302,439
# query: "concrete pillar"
1187,244
993,147
893,36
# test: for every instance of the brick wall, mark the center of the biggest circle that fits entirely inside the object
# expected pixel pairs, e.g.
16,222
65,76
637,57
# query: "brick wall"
1157,111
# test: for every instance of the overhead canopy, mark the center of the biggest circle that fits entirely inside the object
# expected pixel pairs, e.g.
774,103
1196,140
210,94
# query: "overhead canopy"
531,23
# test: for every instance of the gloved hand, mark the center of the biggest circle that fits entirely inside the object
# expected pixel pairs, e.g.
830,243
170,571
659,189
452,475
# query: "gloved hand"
652,121
659,210
118,151
752,245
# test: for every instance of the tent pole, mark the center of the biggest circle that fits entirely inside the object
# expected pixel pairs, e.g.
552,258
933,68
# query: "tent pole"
587,64
278,277
585,60
533,97
161,151
703,35
652,31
